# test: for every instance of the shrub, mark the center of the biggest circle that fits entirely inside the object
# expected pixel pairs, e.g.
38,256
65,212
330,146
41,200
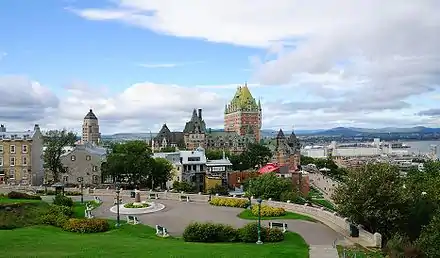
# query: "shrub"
209,232
18,195
183,187
293,197
268,211
73,193
219,189
229,202
64,210
57,215
136,206
86,225
62,200
249,234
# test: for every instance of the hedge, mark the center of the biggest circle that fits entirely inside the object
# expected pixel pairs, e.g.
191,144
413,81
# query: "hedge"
18,195
229,202
86,225
268,211
62,200
214,232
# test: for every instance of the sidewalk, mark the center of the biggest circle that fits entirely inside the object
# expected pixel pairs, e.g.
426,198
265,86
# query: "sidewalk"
323,251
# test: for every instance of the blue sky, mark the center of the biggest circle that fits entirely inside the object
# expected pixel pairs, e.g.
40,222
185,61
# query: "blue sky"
139,64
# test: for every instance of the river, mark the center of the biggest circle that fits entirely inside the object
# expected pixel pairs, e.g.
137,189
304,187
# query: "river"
422,147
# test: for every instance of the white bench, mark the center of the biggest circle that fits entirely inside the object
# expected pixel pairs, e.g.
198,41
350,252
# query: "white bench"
153,196
184,198
132,220
278,225
161,231
115,201
97,199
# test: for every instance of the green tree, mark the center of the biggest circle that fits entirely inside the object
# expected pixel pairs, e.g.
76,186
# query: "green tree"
215,154
429,240
160,173
267,186
183,187
55,142
129,162
372,196
256,155
218,189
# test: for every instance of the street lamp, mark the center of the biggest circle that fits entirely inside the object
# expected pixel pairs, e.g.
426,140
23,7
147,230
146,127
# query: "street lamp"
259,242
117,205
80,180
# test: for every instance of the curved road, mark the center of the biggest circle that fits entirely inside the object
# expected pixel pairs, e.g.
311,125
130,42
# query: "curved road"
177,215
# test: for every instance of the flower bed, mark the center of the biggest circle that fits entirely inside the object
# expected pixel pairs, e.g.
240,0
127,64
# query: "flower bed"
136,206
229,202
268,211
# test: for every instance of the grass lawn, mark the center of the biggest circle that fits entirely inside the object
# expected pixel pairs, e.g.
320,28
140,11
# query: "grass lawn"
247,214
79,208
134,241
325,203
357,252
7,200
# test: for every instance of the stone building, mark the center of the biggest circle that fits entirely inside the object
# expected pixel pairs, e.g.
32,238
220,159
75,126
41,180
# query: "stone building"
287,151
230,141
243,114
165,139
21,156
90,129
195,131
83,163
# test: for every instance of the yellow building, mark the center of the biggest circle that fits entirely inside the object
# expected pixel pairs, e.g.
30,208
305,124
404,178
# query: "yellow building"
211,182
21,159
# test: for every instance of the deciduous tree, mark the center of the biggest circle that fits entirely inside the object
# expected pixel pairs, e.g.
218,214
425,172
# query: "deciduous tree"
55,142
267,186
160,173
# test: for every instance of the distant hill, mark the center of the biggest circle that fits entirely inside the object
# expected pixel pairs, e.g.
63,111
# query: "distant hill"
337,131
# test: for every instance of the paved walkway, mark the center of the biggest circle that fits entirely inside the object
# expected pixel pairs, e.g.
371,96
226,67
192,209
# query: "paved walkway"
177,215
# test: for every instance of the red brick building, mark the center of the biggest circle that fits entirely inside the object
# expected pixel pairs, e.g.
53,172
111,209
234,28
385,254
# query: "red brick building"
243,114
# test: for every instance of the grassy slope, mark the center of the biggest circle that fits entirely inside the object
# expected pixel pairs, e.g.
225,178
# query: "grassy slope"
6,200
247,214
357,252
134,241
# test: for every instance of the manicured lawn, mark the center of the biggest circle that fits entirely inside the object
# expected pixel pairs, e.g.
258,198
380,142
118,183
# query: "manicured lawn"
134,241
247,214
22,214
7,200
357,252
79,208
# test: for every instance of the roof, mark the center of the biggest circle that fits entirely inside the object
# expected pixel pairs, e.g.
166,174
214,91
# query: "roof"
218,162
27,135
195,124
91,116
269,168
184,155
280,134
171,137
243,100
91,149
173,157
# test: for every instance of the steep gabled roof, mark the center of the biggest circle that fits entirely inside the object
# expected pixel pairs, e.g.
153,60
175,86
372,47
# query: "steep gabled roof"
280,134
91,116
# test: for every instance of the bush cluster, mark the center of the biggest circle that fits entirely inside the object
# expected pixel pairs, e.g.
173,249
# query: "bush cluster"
56,215
62,200
86,225
268,211
18,195
211,232
229,202
136,206
52,192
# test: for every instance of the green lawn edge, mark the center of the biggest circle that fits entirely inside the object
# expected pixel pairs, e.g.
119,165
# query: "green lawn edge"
247,214
135,241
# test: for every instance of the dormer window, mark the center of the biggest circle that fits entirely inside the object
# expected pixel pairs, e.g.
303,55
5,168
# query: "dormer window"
72,158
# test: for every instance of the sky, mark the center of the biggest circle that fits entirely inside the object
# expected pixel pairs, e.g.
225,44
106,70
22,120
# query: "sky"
315,64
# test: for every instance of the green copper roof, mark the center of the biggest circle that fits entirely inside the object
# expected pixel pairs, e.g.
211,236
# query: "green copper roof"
243,100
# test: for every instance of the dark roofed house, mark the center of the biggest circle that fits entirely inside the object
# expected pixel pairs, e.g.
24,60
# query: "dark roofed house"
165,139
195,131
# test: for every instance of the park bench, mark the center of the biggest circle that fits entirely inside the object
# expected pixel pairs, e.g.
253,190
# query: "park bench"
132,220
153,196
161,231
278,225
184,198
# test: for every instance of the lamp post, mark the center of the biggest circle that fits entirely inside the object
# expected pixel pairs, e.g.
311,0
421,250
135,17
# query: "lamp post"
259,242
80,180
117,205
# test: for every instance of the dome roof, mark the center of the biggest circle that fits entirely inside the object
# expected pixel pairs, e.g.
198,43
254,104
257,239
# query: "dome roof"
90,116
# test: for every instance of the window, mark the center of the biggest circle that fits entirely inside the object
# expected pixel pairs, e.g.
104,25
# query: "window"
25,172
12,149
95,168
1,161
238,179
11,173
24,161
24,148
95,179
65,179
72,158
88,157
193,158
1,148
12,161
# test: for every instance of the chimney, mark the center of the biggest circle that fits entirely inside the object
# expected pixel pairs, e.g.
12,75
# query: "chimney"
36,127
200,113
2,128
